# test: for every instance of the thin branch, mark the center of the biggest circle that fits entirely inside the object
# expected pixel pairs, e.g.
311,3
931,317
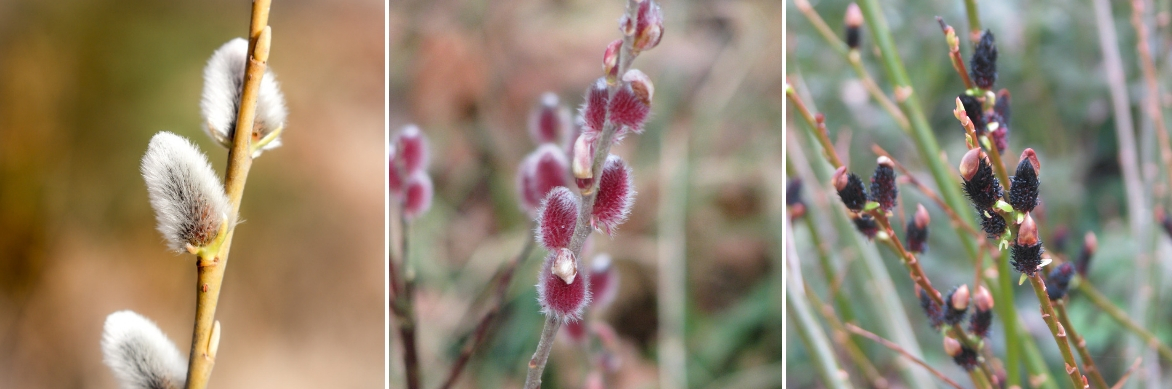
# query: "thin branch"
1056,329
895,347
404,309
210,271
818,124
1126,374
1152,102
954,53
1080,345
845,341
1105,304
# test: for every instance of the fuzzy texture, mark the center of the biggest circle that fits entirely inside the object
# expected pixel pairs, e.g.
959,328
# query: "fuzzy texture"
616,195
993,224
917,238
866,225
983,190
549,122
931,309
565,301
189,202
1059,281
649,28
223,83
980,322
395,177
853,195
417,198
604,281
412,148
594,107
1023,190
528,199
628,109
951,315
556,218
575,331
983,65
140,355
967,358
883,188
972,108
1026,258
550,169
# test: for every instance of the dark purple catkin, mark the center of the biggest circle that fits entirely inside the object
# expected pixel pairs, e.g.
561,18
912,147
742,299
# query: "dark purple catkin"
917,230
983,65
972,108
1027,250
980,185
866,225
963,356
931,309
958,305
883,188
1059,281
850,189
982,317
1089,246
853,20
1023,190
992,223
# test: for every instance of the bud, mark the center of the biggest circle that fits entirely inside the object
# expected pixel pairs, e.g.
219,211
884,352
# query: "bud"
549,122
1089,246
583,159
1027,250
139,354
963,356
1023,190
931,309
649,28
850,189
529,199
223,82
883,188
853,20
594,107
1001,108
560,292
982,318
983,65
417,197
189,202
958,304
1059,281
550,169
917,230
793,198
992,223
616,194
610,61
556,218
631,103
980,185
866,225
412,149
1058,239
604,281
972,109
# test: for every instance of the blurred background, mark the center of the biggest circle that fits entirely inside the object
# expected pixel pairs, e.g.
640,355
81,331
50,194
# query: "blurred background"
1051,59
707,172
83,87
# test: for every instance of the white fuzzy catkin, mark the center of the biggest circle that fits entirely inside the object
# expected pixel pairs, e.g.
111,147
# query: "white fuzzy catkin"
189,202
140,355
223,83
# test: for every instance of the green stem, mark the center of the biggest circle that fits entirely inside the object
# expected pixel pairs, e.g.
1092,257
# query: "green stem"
970,8
814,339
1080,345
1105,304
1056,329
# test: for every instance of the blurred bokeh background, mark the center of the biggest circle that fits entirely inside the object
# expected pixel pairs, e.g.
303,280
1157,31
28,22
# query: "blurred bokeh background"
83,87
1051,59
707,170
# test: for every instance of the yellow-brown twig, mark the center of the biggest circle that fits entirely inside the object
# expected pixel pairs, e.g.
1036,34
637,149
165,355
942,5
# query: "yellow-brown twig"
895,347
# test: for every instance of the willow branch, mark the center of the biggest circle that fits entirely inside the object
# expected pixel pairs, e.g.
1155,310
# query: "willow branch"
1056,329
895,347
210,271
1080,345
817,124
1105,304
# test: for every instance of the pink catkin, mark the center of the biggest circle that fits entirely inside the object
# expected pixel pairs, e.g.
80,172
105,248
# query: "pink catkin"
594,109
564,301
549,122
604,281
412,149
394,177
529,199
616,194
628,110
556,218
418,195
551,169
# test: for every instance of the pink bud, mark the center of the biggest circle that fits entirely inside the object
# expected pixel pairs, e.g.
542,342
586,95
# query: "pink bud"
549,121
582,162
417,199
649,29
616,194
556,218
412,147
632,101
529,199
594,109
610,61
550,170
560,295
604,281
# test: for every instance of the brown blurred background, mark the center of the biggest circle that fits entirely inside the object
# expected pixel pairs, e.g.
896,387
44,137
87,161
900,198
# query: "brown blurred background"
707,170
83,87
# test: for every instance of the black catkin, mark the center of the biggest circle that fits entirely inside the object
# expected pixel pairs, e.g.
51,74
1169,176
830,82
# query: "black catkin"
972,108
1023,190
983,65
1059,281
1026,258
853,195
883,188
983,190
